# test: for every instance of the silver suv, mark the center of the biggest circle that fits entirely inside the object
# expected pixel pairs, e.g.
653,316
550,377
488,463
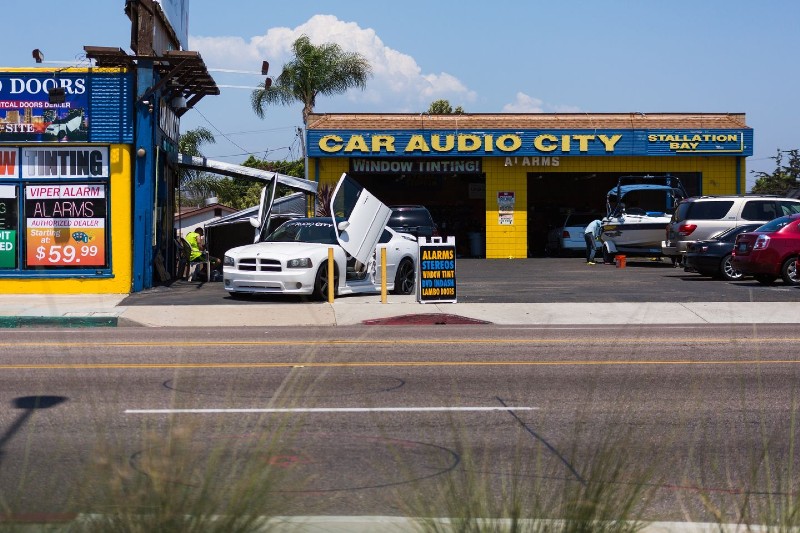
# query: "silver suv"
700,217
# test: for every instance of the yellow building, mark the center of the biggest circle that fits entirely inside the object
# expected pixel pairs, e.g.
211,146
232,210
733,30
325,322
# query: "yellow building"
505,178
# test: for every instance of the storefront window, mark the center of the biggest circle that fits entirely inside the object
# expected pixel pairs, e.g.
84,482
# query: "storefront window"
54,211
8,226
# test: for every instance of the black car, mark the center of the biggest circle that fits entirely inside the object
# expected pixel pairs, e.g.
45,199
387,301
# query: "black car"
413,219
713,256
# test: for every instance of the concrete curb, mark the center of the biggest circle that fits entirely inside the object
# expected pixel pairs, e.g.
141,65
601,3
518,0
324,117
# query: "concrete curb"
10,322
72,311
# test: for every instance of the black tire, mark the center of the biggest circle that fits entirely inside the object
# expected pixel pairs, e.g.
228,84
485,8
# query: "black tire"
727,271
405,278
764,279
607,257
321,282
789,271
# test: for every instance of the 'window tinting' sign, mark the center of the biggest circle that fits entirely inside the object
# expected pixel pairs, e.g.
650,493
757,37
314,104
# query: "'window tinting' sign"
437,270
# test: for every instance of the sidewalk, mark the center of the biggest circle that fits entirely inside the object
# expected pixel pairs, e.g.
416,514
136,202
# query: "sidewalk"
107,310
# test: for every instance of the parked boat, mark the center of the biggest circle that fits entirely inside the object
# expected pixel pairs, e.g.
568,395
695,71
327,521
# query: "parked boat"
638,211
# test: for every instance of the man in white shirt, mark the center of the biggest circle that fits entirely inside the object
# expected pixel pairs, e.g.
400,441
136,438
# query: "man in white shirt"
591,235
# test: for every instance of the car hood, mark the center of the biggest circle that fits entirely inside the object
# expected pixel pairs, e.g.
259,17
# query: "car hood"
279,249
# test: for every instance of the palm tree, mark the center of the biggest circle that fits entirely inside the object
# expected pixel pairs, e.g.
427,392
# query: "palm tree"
325,69
195,185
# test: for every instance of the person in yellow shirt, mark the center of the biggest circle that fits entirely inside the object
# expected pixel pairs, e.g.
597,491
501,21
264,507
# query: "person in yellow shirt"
198,249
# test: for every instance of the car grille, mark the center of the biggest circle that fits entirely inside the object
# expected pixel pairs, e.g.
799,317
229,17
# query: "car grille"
255,264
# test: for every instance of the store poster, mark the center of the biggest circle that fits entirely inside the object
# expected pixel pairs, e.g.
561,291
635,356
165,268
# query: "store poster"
27,113
8,226
65,225
505,207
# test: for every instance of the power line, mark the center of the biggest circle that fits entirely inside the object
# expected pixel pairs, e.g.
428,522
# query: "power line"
248,132
217,129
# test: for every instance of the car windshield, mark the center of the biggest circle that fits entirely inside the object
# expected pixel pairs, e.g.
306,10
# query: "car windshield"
581,219
317,231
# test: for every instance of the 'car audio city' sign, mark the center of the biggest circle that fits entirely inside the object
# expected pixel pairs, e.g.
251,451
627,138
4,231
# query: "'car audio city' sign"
437,270
554,143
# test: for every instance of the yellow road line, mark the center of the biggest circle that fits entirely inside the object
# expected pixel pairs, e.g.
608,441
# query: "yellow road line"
389,342
300,364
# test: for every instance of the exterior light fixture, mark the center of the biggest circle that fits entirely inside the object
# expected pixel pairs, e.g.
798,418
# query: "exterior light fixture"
264,72
141,152
56,95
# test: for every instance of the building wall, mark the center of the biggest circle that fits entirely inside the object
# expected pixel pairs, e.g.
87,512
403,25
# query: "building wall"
708,148
719,176
120,239
511,241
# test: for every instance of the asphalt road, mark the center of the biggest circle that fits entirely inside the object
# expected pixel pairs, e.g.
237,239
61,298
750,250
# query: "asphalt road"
383,421
535,280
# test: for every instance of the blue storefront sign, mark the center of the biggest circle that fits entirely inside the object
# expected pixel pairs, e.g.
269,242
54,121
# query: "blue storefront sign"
501,143
29,113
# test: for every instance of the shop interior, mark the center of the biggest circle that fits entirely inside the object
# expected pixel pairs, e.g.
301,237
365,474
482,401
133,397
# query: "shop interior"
551,196
457,203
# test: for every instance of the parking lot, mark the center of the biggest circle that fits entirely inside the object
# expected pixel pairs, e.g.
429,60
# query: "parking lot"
534,280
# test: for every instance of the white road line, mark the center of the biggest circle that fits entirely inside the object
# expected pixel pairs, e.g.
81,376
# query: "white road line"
323,410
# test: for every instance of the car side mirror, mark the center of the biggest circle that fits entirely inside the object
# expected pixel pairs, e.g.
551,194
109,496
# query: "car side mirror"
254,222
343,225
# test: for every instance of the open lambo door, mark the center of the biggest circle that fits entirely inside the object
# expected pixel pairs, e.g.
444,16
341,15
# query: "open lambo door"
359,218
261,222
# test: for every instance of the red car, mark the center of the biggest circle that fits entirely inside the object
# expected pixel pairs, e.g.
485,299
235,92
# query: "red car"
770,251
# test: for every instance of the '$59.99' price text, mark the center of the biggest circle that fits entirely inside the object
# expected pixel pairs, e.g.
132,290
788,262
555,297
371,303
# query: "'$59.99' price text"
65,254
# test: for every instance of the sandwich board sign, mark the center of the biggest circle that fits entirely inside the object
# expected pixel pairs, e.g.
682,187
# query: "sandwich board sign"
436,282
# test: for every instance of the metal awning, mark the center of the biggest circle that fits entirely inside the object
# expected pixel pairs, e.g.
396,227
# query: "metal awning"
180,72
238,171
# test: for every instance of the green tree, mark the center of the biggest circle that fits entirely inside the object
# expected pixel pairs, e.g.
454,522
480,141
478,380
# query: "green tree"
315,70
241,193
290,168
237,193
194,186
443,107
783,179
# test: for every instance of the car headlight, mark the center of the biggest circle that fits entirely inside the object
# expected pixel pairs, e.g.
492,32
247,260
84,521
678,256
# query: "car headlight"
228,261
304,262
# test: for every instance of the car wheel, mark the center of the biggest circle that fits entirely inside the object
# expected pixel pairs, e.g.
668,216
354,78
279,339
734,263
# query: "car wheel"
321,282
607,257
727,271
789,271
405,278
764,279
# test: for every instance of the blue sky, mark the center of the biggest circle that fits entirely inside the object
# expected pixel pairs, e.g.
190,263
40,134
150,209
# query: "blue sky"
615,56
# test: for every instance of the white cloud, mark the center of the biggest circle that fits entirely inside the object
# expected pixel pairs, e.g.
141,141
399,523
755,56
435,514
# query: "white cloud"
524,103
398,83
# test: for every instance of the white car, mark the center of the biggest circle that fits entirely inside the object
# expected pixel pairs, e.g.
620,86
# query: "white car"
293,259
568,237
